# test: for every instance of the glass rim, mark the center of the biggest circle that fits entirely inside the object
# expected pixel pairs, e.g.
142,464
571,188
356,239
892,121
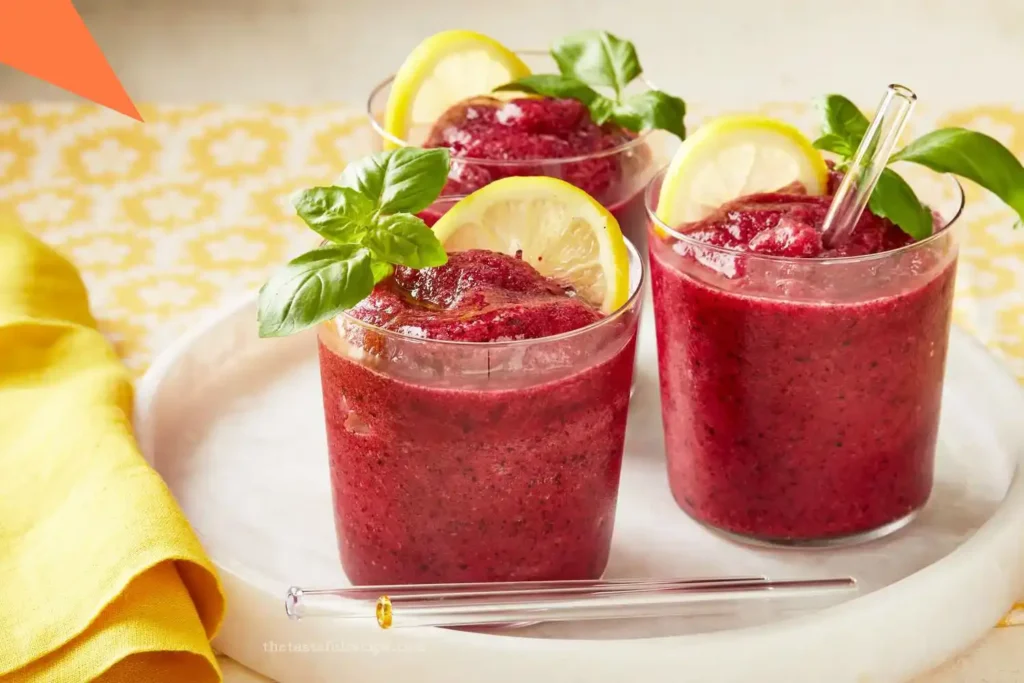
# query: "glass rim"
862,258
634,294
640,138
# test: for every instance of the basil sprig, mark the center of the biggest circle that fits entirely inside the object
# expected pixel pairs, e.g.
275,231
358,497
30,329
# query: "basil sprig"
369,223
592,61
958,151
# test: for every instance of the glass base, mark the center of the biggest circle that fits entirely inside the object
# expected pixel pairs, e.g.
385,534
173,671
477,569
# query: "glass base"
803,543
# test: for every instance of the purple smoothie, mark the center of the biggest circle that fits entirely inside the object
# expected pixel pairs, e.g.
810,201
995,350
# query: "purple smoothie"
485,461
800,396
610,164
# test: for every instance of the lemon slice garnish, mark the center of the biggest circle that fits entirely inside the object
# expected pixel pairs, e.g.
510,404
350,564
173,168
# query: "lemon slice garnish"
561,231
733,156
444,69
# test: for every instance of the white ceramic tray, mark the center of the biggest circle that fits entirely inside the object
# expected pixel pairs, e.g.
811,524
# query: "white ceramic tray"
235,426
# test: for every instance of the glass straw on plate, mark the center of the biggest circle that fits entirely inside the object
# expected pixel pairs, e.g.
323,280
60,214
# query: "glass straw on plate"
502,604
872,155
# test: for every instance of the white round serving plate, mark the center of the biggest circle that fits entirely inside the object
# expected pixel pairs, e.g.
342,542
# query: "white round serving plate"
234,424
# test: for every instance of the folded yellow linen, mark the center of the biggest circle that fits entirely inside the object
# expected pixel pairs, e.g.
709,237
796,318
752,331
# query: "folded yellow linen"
101,577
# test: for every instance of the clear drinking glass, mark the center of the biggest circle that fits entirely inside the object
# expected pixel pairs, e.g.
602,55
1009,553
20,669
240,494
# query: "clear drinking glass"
616,176
468,462
801,397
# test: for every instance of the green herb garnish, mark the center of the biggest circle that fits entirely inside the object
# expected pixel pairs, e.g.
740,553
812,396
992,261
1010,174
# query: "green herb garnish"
594,61
958,151
368,219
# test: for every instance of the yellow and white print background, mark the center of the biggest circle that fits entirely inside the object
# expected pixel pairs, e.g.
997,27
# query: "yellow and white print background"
169,219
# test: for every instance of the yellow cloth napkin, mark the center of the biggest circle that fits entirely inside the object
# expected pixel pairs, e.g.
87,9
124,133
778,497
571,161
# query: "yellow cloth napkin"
101,577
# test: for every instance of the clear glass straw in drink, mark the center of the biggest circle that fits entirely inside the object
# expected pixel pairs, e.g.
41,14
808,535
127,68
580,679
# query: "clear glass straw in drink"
866,168
515,603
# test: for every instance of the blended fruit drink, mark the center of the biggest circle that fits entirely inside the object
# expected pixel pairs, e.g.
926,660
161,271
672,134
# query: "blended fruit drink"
557,125
801,400
457,455
492,139
801,381
475,373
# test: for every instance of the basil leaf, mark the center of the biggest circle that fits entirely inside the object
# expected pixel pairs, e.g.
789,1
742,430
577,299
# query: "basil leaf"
405,240
338,214
602,109
843,119
553,85
970,155
893,198
381,270
314,287
597,58
830,142
368,217
407,179
652,109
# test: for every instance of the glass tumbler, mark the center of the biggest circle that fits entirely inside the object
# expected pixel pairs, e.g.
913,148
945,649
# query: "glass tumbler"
801,397
477,461
616,176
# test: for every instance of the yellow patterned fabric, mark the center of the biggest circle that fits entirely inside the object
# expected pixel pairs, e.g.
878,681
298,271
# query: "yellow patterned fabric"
170,218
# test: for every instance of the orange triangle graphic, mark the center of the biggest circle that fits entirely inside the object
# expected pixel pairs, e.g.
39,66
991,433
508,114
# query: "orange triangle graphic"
47,39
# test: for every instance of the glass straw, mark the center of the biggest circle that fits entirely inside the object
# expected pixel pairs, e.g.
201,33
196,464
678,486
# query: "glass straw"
872,155
473,604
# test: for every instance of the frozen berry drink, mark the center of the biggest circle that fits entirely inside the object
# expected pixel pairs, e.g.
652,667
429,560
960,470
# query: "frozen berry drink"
491,139
476,413
497,135
800,385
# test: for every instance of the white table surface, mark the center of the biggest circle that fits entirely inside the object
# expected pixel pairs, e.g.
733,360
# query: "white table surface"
726,52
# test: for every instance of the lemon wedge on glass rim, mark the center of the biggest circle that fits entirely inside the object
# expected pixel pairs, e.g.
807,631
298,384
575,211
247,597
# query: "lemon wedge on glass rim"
444,69
733,156
560,230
